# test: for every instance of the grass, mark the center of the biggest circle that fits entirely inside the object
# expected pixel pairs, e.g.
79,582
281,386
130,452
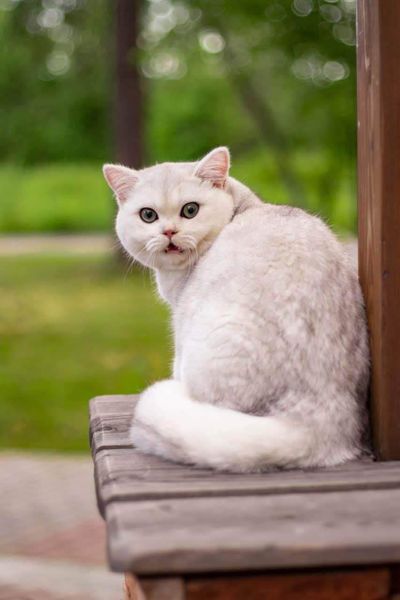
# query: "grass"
72,328
54,198
75,198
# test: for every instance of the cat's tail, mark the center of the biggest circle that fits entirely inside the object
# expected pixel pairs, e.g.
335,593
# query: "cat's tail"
169,423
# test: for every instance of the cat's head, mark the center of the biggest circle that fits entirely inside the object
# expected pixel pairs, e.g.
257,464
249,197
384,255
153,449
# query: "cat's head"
170,214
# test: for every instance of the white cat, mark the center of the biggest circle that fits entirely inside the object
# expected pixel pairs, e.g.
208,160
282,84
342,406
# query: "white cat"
271,352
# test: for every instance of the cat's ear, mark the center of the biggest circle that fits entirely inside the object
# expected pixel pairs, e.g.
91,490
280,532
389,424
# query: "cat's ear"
121,180
214,167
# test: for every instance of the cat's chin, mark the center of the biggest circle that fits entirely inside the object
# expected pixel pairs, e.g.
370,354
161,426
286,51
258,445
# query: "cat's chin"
165,261
173,261
180,258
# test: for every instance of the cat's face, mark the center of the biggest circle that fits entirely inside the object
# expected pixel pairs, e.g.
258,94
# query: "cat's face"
171,213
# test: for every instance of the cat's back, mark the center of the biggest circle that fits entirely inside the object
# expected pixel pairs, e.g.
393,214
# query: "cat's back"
283,243
275,259
274,292
276,229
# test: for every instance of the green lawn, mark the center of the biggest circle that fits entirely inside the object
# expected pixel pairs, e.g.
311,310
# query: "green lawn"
53,198
74,198
72,328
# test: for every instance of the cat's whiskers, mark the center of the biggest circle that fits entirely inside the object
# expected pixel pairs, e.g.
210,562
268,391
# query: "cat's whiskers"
188,243
192,248
155,244
129,268
195,256
116,246
153,248
186,240
132,261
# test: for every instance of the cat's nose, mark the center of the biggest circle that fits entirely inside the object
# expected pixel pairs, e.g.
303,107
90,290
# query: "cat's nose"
169,233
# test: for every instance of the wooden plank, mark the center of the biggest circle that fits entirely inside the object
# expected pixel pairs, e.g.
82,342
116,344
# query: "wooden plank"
254,532
104,479
110,418
359,584
379,214
126,474
118,405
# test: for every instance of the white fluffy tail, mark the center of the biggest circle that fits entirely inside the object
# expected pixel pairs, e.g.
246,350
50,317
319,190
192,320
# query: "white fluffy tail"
169,423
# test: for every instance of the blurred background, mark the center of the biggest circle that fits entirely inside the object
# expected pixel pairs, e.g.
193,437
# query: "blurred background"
141,81
82,83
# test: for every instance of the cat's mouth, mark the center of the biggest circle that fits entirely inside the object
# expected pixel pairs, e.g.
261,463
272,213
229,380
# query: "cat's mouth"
172,249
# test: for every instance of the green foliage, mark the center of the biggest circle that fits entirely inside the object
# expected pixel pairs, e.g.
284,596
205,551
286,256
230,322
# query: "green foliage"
55,76
269,78
199,124
55,81
72,328
297,55
330,185
52,198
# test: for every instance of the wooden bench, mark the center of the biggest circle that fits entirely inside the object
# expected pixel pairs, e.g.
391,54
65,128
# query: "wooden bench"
182,533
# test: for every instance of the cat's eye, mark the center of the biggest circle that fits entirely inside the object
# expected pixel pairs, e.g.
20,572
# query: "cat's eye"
190,210
148,215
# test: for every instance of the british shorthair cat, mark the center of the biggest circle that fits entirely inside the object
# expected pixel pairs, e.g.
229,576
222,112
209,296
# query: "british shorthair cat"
271,351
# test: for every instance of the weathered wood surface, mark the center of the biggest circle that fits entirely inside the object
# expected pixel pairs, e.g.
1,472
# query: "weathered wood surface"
379,214
110,417
254,532
358,584
126,474
167,518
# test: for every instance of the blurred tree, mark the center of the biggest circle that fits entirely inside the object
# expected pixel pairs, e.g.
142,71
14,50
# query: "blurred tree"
129,96
296,56
273,79
290,64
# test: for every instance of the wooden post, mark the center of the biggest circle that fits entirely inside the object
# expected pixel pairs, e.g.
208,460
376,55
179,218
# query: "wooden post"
379,209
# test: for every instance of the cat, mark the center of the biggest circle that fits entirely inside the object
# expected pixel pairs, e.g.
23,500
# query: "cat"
271,361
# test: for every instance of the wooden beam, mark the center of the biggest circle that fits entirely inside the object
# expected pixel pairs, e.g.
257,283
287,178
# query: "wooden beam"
365,584
338,584
155,588
220,534
379,209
